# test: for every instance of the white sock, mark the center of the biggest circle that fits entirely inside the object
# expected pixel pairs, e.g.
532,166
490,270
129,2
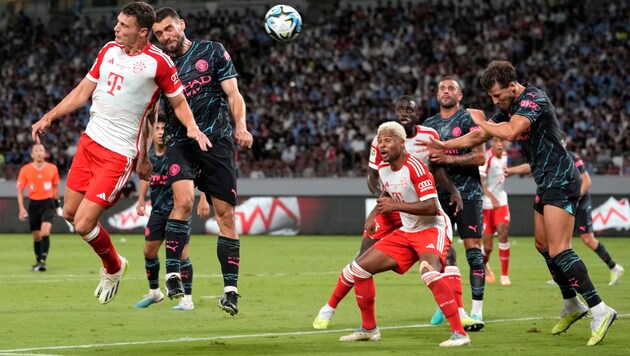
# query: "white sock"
477,307
572,303
327,308
599,311
154,292
187,298
462,312
230,289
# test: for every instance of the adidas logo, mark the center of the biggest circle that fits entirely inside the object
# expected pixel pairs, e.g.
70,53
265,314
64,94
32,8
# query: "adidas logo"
110,61
431,246
102,196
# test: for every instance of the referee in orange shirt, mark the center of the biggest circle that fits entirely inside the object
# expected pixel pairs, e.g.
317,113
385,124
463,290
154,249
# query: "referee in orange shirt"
42,180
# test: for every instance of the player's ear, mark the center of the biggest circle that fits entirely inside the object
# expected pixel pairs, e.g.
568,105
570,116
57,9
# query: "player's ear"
182,24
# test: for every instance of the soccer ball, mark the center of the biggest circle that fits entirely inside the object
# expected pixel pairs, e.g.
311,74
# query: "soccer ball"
283,23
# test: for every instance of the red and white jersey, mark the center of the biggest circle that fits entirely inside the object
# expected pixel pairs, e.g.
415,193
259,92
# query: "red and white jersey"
494,171
412,183
411,146
126,88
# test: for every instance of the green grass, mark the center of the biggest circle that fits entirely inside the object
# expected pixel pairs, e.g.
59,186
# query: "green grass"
284,281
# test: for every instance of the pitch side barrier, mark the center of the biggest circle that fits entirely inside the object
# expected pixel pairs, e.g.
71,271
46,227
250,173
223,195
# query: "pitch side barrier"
327,206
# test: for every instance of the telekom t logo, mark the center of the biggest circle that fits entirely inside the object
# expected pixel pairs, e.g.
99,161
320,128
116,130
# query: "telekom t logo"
115,82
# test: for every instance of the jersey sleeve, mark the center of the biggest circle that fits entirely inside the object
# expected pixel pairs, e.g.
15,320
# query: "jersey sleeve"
483,170
531,108
95,72
225,66
375,155
21,180
166,76
421,179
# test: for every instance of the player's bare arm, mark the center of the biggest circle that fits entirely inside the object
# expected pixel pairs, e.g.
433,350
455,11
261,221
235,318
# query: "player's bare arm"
22,214
488,193
523,168
510,130
185,116
370,221
586,183
373,182
471,139
203,208
142,194
76,99
237,108
443,179
144,166
428,207
474,158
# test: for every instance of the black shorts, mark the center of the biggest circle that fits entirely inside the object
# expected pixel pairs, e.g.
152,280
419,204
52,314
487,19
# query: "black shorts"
563,199
40,211
156,228
214,171
469,221
583,218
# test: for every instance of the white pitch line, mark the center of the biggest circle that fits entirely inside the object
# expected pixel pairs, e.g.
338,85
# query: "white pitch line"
226,337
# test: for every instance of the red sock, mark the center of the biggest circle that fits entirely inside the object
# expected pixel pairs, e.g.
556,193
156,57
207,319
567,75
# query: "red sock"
102,244
343,287
445,299
453,279
365,293
504,256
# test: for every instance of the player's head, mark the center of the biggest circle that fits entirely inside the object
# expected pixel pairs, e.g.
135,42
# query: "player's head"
169,30
499,81
497,146
391,141
449,93
158,132
38,152
134,23
407,113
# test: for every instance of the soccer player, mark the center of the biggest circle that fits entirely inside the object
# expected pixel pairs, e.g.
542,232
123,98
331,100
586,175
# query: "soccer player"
123,83
407,114
161,206
526,115
496,212
583,217
463,166
211,88
425,236
42,181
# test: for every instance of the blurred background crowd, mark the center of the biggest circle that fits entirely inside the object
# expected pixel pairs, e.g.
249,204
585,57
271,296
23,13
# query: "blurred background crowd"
314,103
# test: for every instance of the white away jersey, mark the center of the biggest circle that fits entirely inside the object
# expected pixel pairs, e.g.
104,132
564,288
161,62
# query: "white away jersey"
411,146
126,88
412,183
494,171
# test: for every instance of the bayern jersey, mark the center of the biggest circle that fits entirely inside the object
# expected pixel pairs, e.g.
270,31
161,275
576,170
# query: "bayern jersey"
494,171
202,69
411,146
127,86
161,193
466,179
411,183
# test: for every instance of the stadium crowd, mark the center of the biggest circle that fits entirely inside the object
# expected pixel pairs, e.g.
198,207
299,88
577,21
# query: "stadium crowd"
314,103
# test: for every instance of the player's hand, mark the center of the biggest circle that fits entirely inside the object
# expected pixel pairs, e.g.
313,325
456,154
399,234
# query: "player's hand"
200,137
203,209
456,199
495,203
144,169
370,226
23,214
385,205
40,127
508,171
244,138
140,207
439,157
478,116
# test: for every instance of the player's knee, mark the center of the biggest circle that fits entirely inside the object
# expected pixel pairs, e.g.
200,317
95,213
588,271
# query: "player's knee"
474,257
226,218
68,215
425,267
83,227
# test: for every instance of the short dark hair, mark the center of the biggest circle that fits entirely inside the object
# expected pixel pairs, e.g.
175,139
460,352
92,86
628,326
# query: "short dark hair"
499,72
162,118
450,77
143,12
407,98
165,12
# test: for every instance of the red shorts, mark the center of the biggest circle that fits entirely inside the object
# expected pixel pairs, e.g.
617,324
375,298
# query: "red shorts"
406,247
385,225
493,217
98,172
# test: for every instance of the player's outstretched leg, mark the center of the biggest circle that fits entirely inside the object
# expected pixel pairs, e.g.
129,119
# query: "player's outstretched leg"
345,282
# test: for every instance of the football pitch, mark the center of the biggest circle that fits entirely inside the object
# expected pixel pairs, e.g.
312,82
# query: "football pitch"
283,283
